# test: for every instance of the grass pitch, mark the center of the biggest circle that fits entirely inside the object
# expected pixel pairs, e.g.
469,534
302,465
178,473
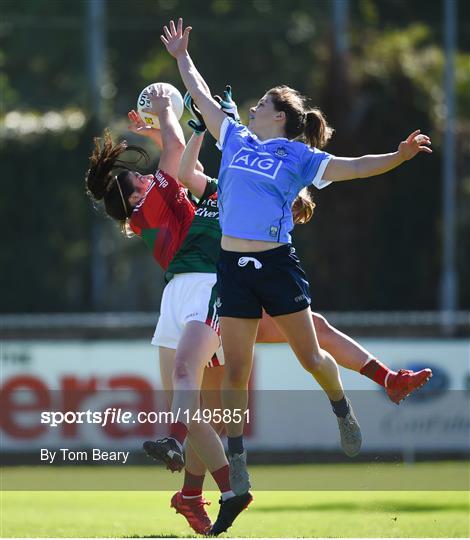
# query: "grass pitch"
139,514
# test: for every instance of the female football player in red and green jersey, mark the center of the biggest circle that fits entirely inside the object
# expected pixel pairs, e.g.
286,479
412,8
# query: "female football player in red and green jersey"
158,208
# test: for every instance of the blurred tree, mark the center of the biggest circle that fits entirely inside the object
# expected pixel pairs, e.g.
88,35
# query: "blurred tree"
372,244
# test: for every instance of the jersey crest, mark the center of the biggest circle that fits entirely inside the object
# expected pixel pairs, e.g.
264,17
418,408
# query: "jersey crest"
281,152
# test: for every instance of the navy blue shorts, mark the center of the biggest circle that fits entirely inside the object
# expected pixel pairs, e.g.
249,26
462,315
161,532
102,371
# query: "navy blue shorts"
273,280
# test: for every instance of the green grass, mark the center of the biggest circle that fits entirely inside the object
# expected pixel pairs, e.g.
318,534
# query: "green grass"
272,514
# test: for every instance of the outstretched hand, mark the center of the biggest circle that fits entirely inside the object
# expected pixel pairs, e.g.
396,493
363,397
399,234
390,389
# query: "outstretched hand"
138,126
415,143
227,104
175,39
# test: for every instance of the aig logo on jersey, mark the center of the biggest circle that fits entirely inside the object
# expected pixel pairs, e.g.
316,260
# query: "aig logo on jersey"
256,162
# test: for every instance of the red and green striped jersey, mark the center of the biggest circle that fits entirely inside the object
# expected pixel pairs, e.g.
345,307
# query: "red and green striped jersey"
201,247
163,217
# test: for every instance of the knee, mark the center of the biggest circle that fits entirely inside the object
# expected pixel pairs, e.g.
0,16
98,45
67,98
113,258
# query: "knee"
323,328
313,364
237,376
316,362
181,371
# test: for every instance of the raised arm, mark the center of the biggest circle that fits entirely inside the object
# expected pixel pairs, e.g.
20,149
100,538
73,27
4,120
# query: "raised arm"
139,127
176,43
340,168
171,133
188,174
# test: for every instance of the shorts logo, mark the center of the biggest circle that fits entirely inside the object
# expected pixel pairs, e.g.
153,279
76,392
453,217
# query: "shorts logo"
218,302
243,261
256,162
273,231
300,298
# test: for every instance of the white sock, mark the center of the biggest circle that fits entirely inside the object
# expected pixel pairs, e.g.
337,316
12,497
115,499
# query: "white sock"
227,495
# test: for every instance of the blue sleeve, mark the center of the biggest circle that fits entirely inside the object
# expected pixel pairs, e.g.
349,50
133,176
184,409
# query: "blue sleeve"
313,165
230,131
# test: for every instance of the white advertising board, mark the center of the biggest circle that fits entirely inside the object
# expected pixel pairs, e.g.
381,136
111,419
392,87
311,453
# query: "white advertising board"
287,408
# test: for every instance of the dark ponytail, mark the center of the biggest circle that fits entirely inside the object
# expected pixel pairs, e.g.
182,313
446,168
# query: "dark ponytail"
317,131
309,125
108,176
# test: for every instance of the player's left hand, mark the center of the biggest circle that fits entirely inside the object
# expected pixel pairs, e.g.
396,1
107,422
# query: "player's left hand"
159,99
227,104
415,143
175,39
196,123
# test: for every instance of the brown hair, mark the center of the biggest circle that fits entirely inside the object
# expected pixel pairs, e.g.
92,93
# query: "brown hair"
303,207
108,178
309,124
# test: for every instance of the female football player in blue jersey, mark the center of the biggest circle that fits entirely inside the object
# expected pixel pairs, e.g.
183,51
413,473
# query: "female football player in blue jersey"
263,168
346,351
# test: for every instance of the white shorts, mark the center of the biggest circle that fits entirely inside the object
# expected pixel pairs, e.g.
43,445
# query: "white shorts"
187,297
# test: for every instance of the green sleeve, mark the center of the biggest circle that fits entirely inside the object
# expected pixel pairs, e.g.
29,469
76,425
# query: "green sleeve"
211,188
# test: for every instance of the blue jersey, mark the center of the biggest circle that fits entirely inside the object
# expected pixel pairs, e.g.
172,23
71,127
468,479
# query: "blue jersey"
259,180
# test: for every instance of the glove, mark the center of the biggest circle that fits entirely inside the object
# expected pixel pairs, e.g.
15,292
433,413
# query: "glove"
196,123
227,104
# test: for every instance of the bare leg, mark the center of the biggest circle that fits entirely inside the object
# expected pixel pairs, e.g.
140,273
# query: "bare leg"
351,355
193,462
347,352
197,343
210,393
300,333
205,446
238,343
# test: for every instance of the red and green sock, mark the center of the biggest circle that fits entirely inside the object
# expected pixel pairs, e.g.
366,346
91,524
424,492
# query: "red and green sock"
377,372
192,486
178,431
222,479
